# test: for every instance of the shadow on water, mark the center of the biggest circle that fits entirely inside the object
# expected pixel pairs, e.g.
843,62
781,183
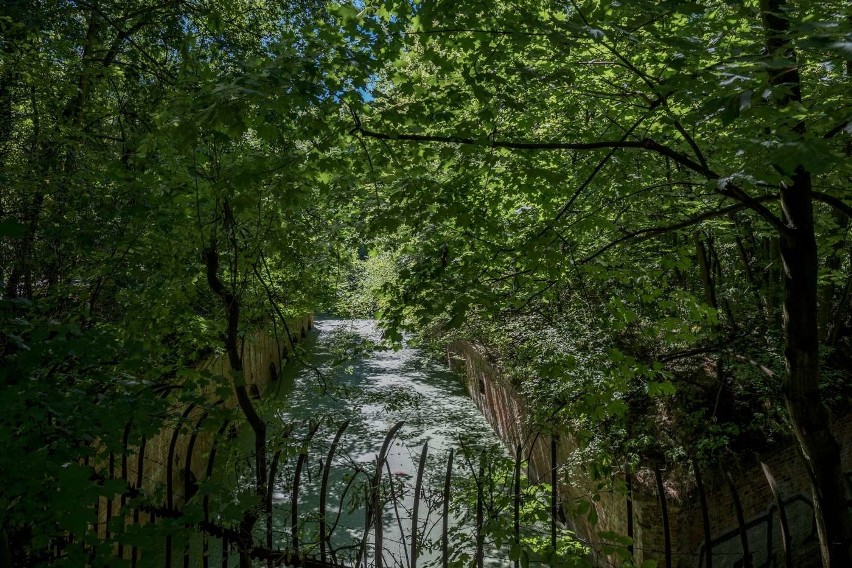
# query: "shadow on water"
373,389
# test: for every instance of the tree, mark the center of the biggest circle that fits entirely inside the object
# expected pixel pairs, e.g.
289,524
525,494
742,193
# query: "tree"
164,179
723,109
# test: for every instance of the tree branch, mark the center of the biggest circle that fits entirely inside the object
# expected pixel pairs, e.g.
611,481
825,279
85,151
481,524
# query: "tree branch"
728,189
833,201
651,232
486,143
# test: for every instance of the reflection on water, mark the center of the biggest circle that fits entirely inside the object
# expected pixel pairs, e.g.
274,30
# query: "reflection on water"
374,390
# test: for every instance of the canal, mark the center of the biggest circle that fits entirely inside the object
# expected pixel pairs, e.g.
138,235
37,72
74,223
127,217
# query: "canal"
347,378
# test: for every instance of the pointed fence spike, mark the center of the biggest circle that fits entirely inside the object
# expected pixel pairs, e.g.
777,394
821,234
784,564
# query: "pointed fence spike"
124,474
377,514
324,538
108,512
368,522
445,522
628,481
188,488
664,508
205,503
140,468
738,509
418,487
480,482
395,502
294,512
273,471
705,517
554,492
517,499
782,515
377,482
170,466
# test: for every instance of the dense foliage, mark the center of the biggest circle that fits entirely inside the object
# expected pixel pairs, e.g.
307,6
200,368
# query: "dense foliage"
163,170
641,209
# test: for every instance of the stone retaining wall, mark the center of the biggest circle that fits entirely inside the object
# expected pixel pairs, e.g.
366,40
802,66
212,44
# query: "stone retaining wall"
263,358
505,409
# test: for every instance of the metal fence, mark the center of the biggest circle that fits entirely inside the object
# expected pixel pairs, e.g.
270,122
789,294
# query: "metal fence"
310,538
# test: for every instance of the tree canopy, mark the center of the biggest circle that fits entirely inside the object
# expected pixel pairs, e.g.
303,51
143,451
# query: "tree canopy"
642,208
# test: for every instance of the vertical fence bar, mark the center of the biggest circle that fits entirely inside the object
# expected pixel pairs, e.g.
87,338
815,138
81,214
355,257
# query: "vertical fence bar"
480,482
273,471
782,515
517,501
140,468
554,492
108,512
378,516
205,502
190,484
705,517
324,538
628,482
738,509
664,508
395,502
445,537
368,522
170,476
377,483
96,525
418,487
294,516
123,501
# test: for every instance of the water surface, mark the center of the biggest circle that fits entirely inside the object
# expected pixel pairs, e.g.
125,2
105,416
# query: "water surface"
373,391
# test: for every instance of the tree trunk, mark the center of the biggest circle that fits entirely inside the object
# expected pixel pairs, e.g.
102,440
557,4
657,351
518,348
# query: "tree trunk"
808,415
232,344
